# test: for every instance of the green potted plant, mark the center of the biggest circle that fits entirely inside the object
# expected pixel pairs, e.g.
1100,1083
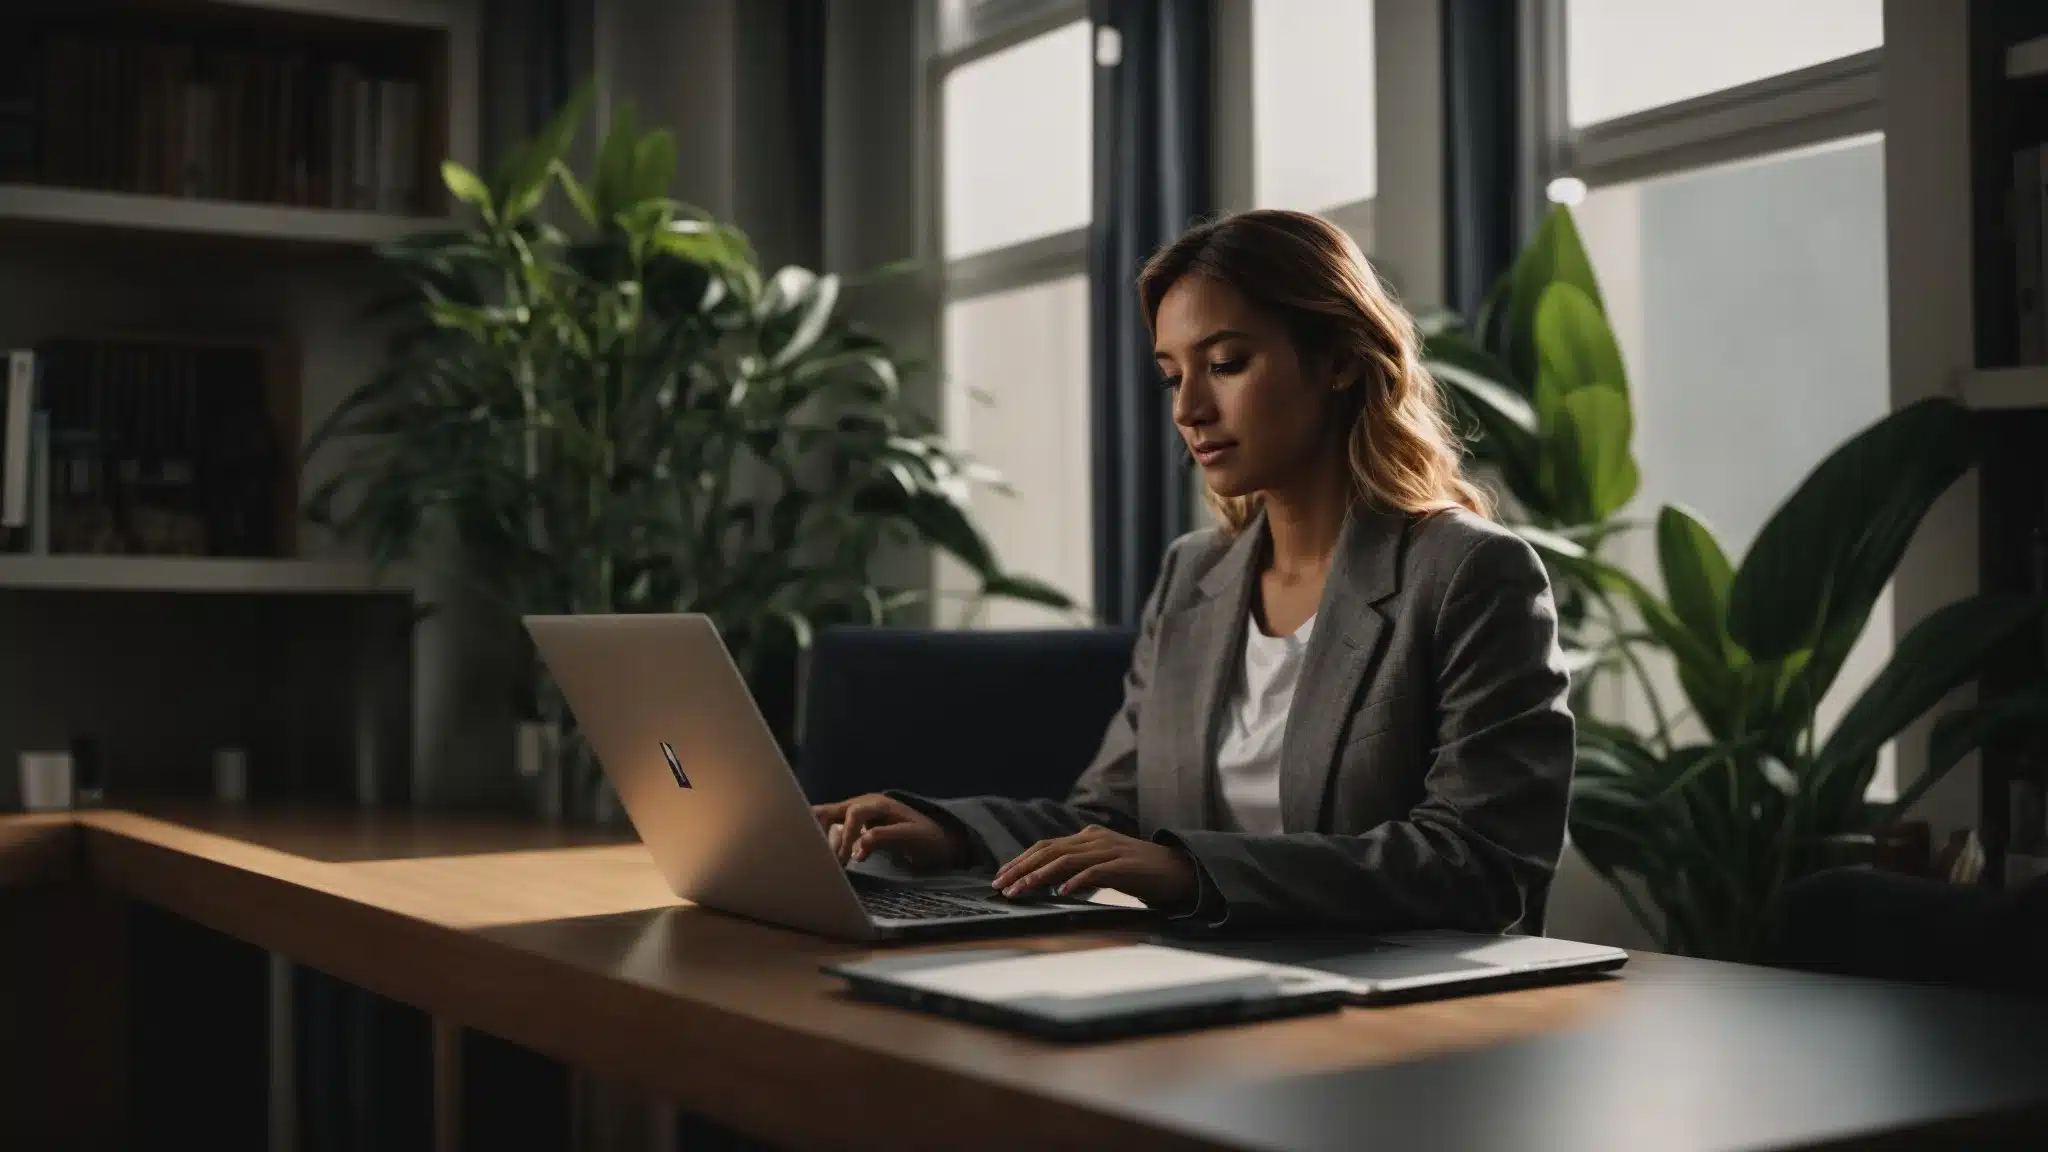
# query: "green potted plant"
1537,374
620,412
1710,829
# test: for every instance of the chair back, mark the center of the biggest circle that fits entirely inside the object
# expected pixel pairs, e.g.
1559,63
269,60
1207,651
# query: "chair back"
947,713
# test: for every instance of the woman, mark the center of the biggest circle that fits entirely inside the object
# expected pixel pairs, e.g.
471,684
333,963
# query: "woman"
1346,704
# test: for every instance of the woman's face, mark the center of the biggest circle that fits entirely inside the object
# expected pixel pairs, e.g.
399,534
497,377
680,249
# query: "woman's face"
1254,416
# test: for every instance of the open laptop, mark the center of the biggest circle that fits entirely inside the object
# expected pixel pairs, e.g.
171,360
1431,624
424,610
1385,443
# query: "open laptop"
711,795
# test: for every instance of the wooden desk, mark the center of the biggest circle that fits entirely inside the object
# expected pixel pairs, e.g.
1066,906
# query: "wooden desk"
575,948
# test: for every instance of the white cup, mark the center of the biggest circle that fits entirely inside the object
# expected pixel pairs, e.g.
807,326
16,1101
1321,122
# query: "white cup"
231,775
45,781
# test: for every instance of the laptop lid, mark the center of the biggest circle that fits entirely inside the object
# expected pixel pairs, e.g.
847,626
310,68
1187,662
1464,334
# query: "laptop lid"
1090,993
697,769
1403,965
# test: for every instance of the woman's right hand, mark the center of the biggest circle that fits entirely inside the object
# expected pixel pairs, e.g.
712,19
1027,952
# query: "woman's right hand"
858,827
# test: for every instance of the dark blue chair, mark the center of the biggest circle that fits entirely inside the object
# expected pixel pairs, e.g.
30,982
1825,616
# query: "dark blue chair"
957,713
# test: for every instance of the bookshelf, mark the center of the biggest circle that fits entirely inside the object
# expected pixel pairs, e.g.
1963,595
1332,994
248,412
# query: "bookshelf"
194,574
2017,388
319,121
190,193
37,206
2007,88
2027,59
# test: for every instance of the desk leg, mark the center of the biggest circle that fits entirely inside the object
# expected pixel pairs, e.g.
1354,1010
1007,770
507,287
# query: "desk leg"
447,1085
662,1121
284,1058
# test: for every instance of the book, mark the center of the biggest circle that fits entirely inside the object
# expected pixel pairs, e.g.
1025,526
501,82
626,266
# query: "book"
14,448
197,150
39,484
341,127
197,114
2028,203
362,192
154,449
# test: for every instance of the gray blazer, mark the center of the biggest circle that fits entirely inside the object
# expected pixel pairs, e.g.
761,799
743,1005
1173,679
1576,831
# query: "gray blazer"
1427,755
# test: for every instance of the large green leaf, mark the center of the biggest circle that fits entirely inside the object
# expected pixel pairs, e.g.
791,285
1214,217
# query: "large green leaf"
579,196
1554,256
1942,652
786,292
1596,473
817,305
1456,359
1483,394
700,243
465,186
1574,344
1825,555
1027,589
944,524
654,165
872,366
1486,319
523,178
1712,686
1696,577
613,188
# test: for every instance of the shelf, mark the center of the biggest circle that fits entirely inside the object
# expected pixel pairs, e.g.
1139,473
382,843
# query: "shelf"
192,574
2027,59
75,207
415,13
2005,388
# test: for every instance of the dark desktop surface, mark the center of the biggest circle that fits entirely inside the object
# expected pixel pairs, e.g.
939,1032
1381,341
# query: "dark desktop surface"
1694,1056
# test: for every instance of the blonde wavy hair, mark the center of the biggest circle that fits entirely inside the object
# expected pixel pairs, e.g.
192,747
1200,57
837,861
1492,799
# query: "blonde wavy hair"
1309,274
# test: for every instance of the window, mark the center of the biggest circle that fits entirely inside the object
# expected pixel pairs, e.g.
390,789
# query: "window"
1312,103
1027,350
1626,56
1016,139
1749,301
1740,242
1018,142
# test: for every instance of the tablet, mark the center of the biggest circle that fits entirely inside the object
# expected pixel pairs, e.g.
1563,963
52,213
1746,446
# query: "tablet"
1092,994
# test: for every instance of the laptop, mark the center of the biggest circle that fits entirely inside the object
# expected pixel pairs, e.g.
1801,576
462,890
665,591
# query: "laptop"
1090,993
1400,966
710,793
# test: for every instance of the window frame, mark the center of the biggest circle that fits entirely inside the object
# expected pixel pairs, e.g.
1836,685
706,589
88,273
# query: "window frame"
1827,103
1026,262
952,36
1830,101
1233,147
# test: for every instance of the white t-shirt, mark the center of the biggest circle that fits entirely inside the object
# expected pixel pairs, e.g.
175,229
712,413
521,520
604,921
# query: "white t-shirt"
1254,722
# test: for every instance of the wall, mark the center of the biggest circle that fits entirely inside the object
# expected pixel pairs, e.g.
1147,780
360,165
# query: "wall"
1927,219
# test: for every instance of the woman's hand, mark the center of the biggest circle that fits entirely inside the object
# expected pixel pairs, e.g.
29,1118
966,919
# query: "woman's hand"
1095,857
857,827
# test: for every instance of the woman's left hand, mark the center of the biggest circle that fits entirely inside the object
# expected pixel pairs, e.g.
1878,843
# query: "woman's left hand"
1095,857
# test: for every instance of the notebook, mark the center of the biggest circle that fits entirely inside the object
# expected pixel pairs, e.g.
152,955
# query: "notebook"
1092,994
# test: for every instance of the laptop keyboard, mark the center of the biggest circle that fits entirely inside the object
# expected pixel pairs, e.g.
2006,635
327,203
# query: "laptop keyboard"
916,904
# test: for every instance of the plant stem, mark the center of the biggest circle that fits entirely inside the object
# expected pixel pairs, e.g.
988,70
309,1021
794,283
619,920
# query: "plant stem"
1642,674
